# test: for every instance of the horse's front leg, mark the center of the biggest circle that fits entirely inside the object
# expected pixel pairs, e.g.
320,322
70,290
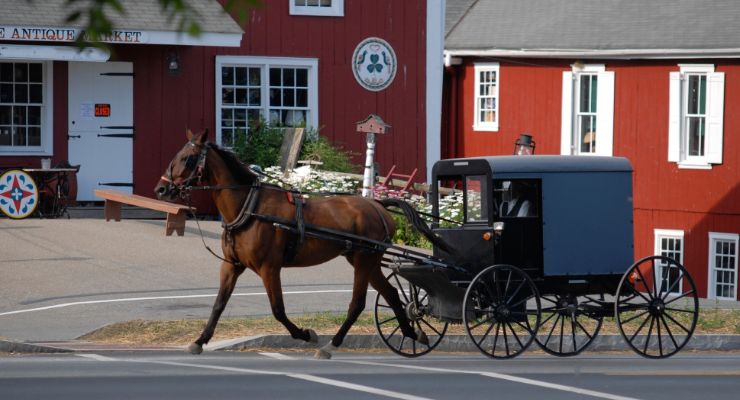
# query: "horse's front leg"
271,279
229,274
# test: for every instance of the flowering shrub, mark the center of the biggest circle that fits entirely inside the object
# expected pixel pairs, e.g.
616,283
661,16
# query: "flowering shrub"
310,180
307,179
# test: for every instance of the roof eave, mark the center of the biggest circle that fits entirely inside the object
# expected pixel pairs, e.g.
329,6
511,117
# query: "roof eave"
621,54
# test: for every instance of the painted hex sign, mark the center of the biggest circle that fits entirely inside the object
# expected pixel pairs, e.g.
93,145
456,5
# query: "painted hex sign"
19,194
374,64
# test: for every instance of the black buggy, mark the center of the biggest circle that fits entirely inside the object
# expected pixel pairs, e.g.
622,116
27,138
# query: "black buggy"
544,253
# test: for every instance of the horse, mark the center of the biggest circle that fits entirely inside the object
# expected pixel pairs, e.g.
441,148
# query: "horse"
252,238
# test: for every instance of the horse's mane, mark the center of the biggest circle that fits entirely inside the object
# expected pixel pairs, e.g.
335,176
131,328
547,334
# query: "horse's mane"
238,169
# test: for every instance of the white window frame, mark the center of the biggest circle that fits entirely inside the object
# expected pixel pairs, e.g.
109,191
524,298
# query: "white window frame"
265,63
658,250
714,117
335,10
486,126
711,281
570,137
47,117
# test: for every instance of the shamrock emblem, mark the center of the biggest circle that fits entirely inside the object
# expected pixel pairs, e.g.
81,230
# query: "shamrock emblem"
374,65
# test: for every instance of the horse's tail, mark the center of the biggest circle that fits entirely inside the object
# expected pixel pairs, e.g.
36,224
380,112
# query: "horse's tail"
418,223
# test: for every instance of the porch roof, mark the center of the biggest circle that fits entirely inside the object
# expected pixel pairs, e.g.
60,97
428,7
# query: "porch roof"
145,16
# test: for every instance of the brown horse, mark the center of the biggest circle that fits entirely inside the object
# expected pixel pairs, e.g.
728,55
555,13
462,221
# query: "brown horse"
252,240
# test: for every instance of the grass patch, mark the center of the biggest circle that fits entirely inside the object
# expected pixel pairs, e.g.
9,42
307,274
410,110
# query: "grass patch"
182,332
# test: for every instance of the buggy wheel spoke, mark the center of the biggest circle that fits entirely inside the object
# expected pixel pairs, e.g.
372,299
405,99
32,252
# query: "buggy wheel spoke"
400,288
506,340
660,339
516,292
690,292
511,328
644,284
383,305
489,319
650,332
573,330
670,334
495,338
488,331
677,323
393,332
387,320
554,325
431,327
655,281
634,317
673,285
584,330
526,328
639,329
508,281
542,323
680,310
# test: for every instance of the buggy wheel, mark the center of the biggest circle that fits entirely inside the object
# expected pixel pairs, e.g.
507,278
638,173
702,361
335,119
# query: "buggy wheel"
569,323
656,307
415,302
496,314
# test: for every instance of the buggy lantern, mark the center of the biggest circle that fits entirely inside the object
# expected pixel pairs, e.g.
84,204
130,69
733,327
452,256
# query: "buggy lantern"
524,146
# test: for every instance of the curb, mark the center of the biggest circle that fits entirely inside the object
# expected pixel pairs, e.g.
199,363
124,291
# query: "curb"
455,343
17,347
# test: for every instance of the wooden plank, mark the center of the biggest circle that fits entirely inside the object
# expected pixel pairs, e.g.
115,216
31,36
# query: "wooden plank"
291,147
140,201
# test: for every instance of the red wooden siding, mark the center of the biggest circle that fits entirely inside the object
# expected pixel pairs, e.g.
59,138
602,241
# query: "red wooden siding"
665,197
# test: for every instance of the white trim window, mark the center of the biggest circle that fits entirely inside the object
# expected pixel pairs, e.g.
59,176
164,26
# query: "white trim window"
486,97
280,91
322,8
26,108
696,112
723,271
588,111
669,243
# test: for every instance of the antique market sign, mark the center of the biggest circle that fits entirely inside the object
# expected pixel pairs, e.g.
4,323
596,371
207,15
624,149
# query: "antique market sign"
57,34
374,64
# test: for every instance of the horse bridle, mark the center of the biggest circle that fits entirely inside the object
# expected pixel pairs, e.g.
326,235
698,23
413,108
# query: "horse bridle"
196,165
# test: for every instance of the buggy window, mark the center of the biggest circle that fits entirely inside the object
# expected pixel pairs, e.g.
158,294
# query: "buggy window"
475,209
516,198
463,198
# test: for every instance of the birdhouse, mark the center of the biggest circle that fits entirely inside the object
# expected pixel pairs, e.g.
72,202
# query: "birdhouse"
372,124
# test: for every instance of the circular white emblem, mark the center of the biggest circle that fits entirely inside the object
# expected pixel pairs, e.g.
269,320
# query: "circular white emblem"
19,194
374,64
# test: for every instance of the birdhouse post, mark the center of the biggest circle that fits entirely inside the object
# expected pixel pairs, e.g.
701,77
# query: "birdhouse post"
371,125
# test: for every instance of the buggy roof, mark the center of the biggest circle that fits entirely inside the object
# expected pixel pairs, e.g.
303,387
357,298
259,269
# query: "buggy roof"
536,164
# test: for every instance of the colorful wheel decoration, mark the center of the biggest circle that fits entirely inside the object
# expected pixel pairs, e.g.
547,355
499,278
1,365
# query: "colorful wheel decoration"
19,194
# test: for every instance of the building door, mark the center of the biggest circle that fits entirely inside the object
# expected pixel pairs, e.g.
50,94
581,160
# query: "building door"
101,126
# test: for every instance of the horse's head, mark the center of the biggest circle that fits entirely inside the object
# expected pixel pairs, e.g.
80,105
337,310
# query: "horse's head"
186,168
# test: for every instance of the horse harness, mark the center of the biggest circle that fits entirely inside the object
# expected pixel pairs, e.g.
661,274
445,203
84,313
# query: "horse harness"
196,165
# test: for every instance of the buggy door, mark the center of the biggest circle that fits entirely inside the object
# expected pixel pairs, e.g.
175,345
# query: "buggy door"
465,198
518,206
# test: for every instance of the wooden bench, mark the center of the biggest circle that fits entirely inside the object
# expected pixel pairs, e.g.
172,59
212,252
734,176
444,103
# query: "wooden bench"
176,213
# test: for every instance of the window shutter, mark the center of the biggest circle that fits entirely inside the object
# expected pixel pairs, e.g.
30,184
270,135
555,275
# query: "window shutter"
566,127
715,117
605,114
674,117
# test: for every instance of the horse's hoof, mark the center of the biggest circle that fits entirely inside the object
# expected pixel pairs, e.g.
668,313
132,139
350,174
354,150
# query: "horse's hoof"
322,354
312,336
195,348
421,337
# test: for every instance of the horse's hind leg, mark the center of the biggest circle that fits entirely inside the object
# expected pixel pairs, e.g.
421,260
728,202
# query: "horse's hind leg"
229,274
390,294
356,305
271,280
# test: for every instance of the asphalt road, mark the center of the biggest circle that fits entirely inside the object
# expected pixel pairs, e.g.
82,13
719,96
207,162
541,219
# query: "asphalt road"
158,375
60,278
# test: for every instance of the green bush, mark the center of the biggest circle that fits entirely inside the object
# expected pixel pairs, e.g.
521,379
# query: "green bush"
261,146
333,158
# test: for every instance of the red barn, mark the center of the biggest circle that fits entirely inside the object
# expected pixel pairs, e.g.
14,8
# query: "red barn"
650,81
122,114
